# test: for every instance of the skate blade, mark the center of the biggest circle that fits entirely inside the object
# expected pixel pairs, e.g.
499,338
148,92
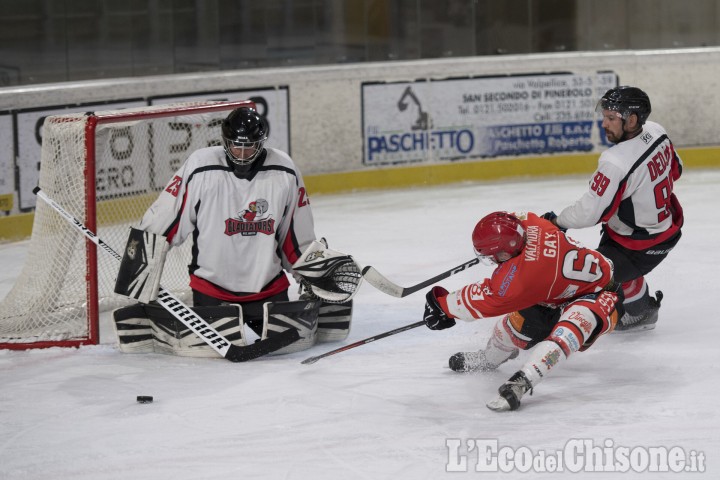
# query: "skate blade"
498,404
639,328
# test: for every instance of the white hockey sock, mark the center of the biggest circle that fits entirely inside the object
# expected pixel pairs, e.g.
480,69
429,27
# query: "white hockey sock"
545,356
500,346
571,332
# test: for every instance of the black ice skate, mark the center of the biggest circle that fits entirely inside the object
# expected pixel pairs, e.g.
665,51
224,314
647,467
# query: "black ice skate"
476,361
510,393
643,320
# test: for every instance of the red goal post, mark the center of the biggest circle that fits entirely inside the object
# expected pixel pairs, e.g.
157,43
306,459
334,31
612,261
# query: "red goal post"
105,168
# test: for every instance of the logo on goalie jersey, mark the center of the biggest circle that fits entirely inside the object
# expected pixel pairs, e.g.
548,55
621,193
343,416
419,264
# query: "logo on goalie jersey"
251,221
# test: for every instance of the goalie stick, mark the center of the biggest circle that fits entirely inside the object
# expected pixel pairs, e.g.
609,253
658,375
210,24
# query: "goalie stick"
312,360
183,313
379,281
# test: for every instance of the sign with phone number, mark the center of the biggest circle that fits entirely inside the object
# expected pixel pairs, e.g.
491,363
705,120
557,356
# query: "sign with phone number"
482,117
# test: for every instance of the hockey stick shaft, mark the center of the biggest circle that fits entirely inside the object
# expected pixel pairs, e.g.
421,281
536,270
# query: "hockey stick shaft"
311,360
182,312
382,283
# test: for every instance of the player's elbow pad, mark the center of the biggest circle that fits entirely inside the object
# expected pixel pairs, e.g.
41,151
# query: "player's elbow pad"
142,266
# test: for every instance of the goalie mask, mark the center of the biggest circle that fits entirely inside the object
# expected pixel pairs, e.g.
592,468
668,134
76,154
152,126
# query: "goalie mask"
331,275
244,133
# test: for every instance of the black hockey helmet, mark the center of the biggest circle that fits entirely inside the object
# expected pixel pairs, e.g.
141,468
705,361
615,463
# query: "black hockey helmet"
626,100
244,133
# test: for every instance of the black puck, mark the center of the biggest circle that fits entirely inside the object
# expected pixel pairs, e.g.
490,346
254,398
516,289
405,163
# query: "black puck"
144,399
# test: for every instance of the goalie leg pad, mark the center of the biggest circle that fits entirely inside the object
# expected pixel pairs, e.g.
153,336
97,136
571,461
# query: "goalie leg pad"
334,321
141,266
133,329
301,315
152,329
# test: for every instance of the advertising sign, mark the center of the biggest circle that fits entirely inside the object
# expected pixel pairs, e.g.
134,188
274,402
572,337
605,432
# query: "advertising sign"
482,117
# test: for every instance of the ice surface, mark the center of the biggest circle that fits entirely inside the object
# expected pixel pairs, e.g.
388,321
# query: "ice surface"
386,409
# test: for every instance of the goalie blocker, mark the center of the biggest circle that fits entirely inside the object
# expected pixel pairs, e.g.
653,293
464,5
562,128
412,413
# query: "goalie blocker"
151,329
141,266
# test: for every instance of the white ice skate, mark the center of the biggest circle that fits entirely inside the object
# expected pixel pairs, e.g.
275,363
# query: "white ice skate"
476,361
511,392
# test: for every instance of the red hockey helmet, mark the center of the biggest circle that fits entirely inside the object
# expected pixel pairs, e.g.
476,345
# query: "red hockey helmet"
498,237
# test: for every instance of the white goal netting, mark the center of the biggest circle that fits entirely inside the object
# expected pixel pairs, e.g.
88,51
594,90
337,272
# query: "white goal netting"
105,169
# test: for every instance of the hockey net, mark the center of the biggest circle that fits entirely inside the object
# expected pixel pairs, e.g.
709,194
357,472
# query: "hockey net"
105,168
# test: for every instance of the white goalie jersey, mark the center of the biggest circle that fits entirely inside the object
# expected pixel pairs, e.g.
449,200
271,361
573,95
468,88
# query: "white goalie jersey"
245,231
631,192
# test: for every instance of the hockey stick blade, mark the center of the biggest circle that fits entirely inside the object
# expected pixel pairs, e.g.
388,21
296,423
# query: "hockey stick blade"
260,348
311,360
382,283
182,312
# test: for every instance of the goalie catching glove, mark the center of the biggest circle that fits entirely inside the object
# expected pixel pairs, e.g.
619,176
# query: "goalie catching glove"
328,274
141,266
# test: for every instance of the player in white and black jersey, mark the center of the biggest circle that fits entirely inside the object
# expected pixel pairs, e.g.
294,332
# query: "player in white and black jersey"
631,194
247,211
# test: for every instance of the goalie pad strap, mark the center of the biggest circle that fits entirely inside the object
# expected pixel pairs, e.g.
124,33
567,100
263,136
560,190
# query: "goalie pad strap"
141,266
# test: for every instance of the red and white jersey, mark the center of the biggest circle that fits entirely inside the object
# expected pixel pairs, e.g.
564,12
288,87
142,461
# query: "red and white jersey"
552,269
245,231
631,192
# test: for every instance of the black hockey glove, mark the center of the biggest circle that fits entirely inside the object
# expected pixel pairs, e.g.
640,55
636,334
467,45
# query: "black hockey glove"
435,318
551,216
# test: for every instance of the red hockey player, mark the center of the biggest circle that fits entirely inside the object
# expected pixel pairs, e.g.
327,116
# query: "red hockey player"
556,296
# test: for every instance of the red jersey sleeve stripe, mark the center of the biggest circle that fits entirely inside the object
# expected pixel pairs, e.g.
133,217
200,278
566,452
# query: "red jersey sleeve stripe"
612,208
173,228
290,246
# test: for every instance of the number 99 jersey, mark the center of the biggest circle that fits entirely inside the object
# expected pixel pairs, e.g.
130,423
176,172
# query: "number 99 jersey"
631,192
